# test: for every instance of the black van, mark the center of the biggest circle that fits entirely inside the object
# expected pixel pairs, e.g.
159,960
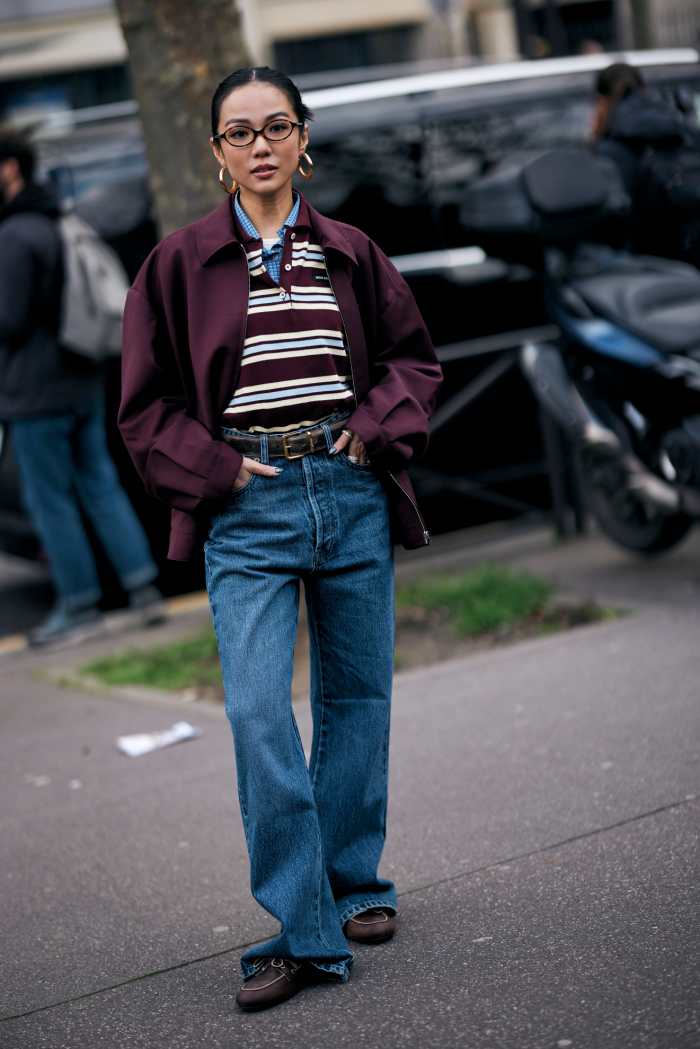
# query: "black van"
425,163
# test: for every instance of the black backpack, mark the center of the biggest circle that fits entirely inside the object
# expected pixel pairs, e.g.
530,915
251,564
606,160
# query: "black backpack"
669,180
668,198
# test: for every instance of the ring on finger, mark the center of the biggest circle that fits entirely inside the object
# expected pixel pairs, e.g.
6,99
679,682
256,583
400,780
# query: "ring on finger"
348,433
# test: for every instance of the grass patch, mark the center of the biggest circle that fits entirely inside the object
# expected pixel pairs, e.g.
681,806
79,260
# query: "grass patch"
437,617
192,663
483,600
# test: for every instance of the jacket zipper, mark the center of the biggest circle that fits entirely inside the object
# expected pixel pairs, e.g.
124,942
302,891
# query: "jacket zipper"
345,333
245,323
426,533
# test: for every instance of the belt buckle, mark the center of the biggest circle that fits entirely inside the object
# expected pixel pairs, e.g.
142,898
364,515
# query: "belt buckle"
297,455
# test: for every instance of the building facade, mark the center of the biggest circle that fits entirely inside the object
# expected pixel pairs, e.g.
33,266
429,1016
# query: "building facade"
70,54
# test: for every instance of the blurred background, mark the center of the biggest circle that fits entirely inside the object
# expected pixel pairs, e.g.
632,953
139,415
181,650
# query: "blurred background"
425,112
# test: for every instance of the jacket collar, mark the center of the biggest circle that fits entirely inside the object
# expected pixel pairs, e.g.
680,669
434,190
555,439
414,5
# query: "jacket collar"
218,229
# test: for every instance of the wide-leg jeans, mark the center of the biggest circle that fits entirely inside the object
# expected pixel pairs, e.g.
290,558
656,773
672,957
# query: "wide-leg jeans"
314,834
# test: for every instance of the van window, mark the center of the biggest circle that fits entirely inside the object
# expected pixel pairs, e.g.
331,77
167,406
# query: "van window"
375,179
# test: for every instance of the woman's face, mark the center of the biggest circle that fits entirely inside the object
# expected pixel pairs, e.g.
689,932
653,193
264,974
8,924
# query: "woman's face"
263,167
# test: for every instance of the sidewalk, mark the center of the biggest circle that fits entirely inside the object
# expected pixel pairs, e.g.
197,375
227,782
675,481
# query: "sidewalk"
543,835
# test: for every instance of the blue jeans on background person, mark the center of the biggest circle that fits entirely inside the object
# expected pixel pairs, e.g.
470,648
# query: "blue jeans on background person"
64,464
314,835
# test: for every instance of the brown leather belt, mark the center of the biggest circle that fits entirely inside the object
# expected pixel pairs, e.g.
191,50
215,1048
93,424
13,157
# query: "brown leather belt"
292,445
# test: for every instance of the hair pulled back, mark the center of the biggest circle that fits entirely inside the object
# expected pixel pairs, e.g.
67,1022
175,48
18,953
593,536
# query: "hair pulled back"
617,81
266,75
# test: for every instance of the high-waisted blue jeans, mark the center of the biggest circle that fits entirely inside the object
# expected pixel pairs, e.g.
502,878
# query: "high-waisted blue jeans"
314,835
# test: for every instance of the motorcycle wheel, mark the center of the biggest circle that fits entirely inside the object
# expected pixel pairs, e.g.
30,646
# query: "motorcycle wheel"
631,522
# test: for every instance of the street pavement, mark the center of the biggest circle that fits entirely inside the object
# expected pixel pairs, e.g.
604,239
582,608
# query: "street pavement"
543,835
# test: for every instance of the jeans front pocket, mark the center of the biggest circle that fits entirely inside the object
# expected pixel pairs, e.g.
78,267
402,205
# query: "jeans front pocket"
237,492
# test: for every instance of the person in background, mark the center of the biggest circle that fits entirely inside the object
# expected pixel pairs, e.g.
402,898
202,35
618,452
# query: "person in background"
630,124
52,402
277,380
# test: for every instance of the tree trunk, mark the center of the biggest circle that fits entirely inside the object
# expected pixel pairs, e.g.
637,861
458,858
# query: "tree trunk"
178,52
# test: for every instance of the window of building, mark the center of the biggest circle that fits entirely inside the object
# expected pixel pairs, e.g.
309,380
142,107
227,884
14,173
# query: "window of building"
69,90
347,50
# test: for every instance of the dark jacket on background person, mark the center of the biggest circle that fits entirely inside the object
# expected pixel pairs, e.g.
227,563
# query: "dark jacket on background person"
36,376
184,326
639,123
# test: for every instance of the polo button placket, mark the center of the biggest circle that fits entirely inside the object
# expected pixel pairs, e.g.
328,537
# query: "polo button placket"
308,318
285,268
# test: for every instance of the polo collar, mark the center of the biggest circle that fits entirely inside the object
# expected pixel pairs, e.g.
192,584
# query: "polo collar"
247,225
217,230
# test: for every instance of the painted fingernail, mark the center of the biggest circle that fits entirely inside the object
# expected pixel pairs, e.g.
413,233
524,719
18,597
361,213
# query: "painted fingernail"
334,451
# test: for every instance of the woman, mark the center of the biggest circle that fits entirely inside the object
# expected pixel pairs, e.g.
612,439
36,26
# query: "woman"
618,88
277,379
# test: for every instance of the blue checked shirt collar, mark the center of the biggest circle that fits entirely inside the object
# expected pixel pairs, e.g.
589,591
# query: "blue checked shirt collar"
272,256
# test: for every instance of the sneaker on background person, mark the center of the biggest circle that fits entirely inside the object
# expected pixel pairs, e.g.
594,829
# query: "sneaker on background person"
149,602
64,625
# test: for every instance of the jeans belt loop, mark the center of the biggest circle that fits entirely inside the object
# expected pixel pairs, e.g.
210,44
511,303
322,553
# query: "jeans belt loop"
264,449
328,434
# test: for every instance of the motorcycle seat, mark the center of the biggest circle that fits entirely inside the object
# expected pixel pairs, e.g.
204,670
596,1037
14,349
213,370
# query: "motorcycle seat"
660,305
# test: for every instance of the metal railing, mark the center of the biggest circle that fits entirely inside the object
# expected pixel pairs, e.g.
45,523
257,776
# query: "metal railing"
559,465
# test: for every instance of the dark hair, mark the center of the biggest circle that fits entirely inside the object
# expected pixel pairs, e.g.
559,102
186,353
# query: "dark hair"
15,145
618,81
268,76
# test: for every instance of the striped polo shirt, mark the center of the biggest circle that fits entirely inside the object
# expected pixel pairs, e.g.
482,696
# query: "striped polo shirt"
295,368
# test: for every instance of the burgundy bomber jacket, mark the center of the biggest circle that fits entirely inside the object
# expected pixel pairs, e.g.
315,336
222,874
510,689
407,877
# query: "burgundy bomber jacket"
184,326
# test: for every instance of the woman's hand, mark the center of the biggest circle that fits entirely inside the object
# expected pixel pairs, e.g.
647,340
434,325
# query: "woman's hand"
356,450
252,466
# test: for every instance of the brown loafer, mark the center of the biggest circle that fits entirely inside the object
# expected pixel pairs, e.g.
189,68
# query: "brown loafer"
275,980
375,925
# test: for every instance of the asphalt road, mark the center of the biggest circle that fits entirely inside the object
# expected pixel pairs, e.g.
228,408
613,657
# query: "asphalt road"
543,835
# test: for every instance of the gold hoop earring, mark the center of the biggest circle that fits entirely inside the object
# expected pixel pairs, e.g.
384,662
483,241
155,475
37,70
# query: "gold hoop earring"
222,182
309,172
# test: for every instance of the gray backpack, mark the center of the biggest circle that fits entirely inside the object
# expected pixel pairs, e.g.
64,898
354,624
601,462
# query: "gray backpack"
94,291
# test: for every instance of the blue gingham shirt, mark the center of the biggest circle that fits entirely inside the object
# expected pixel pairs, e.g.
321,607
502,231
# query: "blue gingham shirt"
272,256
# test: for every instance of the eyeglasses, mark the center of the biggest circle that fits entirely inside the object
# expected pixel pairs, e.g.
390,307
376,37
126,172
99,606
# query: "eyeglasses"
242,135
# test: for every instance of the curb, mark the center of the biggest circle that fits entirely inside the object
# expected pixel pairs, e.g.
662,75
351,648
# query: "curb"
114,623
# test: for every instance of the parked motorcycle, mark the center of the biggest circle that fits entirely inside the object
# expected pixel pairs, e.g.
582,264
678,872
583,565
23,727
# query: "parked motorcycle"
623,379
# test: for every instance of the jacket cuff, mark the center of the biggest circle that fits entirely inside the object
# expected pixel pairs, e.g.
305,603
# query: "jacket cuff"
369,431
226,465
